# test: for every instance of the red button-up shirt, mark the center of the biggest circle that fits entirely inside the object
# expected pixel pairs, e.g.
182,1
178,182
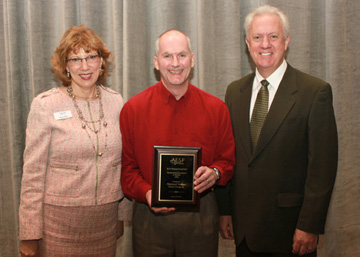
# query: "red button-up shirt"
155,117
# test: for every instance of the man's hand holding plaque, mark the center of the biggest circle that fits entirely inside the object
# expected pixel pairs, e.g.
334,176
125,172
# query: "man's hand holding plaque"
178,178
163,210
204,179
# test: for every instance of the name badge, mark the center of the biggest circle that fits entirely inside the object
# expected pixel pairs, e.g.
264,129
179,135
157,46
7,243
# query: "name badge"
62,115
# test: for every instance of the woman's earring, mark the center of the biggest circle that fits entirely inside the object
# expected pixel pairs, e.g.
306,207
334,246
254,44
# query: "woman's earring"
68,75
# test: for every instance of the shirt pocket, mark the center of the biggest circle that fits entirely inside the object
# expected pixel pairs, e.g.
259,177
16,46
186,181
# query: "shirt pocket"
63,179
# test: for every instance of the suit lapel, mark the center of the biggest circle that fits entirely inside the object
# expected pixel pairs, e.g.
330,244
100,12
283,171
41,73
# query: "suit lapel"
243,107
280,107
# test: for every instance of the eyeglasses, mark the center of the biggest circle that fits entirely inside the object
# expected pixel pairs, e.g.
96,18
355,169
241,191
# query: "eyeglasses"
89,59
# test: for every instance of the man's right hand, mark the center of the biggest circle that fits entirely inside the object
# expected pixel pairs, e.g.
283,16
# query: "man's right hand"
163,210
226,227
29,248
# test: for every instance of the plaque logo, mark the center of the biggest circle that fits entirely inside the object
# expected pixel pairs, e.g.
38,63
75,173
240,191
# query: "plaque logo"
177,161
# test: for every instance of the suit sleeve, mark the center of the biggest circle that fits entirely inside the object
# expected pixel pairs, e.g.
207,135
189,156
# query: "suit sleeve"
322,163
223,199
223,191
38,136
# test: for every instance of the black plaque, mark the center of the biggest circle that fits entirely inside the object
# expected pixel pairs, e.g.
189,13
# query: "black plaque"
174,168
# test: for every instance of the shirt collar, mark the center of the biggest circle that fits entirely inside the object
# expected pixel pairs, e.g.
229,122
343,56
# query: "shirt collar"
274,79
167,96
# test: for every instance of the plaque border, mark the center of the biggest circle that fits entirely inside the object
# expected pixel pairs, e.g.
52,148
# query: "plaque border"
156,179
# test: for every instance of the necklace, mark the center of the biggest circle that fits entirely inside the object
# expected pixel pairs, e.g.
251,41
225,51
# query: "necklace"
91,124
86,98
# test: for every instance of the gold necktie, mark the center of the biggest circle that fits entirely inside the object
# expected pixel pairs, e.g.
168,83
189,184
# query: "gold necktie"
259,113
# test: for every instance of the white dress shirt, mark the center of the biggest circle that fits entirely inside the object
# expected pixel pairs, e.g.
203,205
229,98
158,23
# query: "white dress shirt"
274,80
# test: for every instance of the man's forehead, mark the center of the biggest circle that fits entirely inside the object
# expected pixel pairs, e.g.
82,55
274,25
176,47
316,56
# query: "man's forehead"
174,52
266,19
259,25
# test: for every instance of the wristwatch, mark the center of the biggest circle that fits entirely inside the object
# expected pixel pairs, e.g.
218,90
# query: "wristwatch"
217,172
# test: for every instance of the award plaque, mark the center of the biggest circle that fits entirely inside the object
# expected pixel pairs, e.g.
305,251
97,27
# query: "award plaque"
174,168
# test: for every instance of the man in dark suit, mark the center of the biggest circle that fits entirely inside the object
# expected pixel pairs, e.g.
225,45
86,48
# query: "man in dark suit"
286,149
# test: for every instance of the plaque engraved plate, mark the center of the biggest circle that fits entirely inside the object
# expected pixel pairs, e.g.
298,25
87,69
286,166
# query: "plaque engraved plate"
174,168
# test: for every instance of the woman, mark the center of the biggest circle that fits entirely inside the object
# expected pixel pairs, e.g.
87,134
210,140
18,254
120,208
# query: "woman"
71,198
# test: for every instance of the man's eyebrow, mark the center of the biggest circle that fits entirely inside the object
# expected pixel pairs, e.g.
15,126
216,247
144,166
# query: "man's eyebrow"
182,52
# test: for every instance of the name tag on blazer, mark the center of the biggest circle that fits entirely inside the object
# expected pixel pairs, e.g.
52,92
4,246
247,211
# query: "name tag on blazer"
62,115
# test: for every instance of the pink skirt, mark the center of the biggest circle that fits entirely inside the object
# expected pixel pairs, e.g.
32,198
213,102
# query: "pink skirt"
79,231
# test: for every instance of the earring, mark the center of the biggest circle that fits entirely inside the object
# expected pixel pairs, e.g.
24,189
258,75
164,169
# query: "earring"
101,69
68,75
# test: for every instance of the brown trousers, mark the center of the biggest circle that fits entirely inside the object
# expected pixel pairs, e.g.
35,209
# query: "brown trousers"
179,234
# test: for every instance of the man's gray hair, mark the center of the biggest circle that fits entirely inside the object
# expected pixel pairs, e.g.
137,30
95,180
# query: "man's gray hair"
157,43
270,10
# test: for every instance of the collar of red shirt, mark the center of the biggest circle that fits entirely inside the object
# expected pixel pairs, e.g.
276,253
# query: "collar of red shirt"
167,96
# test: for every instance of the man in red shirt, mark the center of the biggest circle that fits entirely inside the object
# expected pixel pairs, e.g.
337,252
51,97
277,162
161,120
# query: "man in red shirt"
174,112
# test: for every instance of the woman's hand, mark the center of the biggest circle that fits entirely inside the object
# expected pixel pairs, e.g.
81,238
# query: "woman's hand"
29,248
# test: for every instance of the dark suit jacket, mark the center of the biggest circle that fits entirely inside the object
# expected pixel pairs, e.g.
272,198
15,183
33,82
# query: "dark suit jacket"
287,182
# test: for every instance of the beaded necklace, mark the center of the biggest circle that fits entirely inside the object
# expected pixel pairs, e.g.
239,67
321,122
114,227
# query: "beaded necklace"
91,124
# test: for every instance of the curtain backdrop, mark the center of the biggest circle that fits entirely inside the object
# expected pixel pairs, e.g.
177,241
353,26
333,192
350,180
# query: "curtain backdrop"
324,38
